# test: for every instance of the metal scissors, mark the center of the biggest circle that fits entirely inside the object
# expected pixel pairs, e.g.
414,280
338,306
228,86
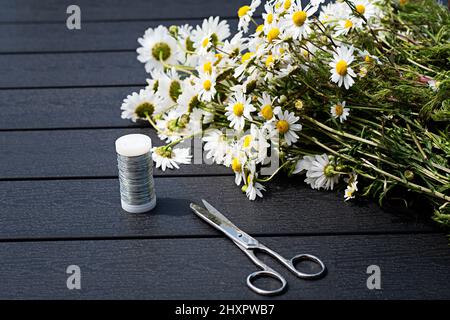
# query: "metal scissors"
249,245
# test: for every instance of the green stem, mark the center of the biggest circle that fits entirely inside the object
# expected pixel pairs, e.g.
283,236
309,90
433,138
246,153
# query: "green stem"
407,184
343,134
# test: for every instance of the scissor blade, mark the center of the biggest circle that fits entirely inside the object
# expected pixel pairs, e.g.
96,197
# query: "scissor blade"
218,221
217,213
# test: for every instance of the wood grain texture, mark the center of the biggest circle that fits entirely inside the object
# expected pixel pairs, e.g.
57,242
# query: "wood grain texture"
412,267
55,10
51,37
91,209
74,153
64,108
71,69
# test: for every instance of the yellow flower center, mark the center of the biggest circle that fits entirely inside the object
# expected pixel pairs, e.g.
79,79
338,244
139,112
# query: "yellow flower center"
236,165
273,34
287,4
247,141
218,57
267,112
282,126
260,28
368,59
246,56
299,18
207,67
269,18
360,8
238,109
348,24
269,60
207,85
243,11
341,67
338,109
205,42
305,53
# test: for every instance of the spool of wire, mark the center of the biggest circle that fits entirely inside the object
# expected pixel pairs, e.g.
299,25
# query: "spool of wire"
134,161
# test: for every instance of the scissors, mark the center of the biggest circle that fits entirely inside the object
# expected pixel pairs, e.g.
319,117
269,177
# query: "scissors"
249,245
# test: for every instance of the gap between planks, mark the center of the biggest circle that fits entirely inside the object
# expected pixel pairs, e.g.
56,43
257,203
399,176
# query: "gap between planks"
256,235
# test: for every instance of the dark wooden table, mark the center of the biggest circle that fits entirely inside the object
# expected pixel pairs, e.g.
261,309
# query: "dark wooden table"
60,93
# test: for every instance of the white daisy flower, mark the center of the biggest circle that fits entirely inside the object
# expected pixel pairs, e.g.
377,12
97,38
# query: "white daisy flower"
368,58
206,86
234,46
152,84
281,6
287,125
434,85
169,86
216,145
366,8
245,60
188,99
274,35
341,73
172,126
334,12
158,49
139,105
239,108
344,26
270,16
339,111
352,187
167,157
296,23
245,14
185,38
320,172
253,188
266,107
238,158
206,63
209,34
255,144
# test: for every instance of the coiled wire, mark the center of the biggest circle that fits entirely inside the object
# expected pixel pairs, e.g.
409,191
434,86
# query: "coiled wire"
136,179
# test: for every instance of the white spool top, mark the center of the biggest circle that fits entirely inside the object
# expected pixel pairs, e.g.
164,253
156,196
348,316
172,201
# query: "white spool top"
133,145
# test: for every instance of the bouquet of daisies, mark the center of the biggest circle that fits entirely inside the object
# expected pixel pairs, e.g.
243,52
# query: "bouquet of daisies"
349,94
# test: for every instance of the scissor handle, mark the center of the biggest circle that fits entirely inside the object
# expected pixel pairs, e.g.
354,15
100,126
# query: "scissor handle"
290,264
306,257
268,274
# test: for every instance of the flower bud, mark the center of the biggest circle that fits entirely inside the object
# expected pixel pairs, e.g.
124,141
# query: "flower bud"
409,175
173,31
299,104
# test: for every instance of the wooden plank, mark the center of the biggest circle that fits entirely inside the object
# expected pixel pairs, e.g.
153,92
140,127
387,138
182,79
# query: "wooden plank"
50,37
91,209
73,153
55,10
64,108
71,69
412,267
